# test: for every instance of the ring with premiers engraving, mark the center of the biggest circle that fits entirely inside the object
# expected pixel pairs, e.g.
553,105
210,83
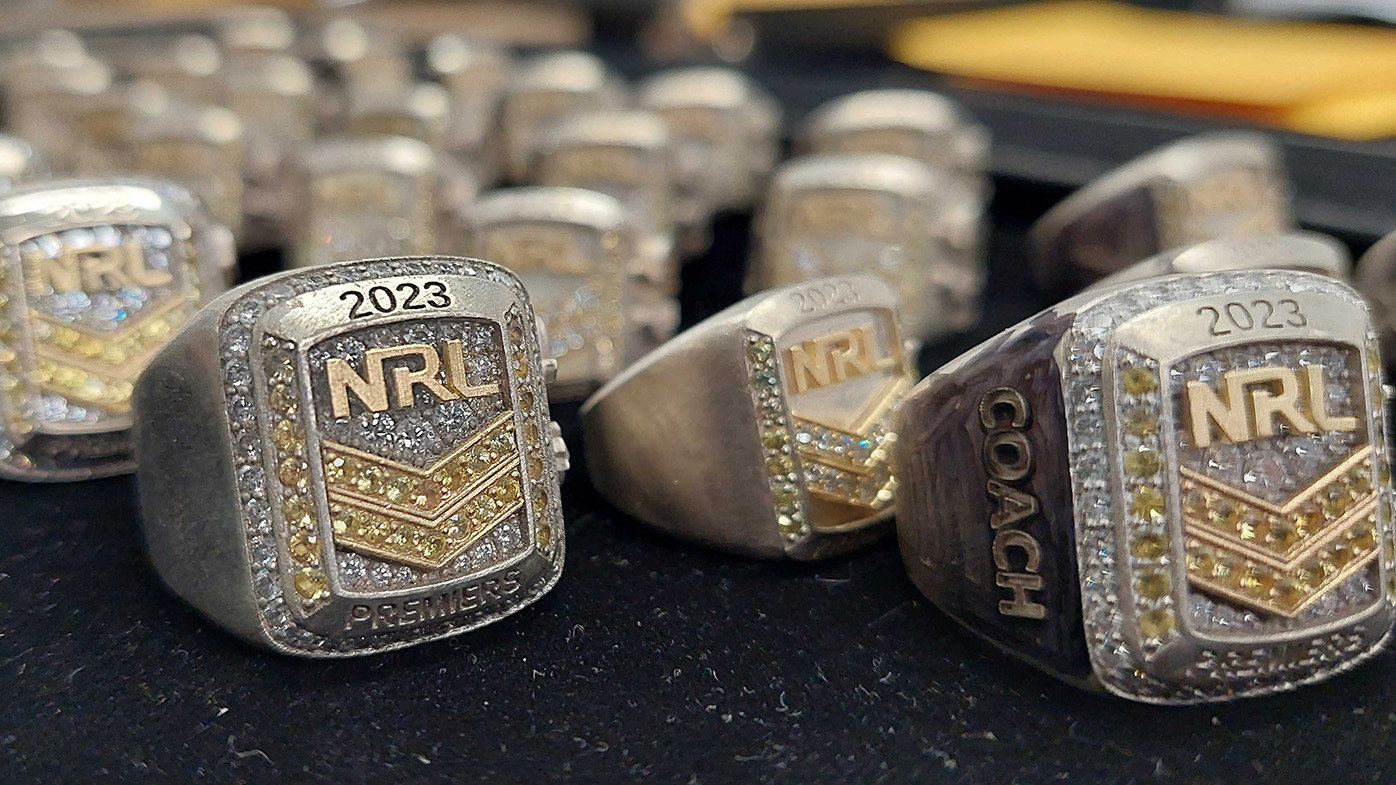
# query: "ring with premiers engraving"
354,458
1230,184
763,430
1176,490
95,275
1307,251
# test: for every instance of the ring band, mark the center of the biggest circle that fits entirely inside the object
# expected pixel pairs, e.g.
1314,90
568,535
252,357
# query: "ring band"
1306,251
95,275
1176,490
789,394
1229,184
354,458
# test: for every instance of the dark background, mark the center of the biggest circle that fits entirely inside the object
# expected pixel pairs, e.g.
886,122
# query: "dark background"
652,660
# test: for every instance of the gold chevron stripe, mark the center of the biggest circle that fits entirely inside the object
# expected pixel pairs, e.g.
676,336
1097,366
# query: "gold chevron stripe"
1270,604
387,510
1362,509
1288,507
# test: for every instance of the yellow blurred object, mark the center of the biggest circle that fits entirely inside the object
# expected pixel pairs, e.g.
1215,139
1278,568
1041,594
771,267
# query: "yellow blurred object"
1331,79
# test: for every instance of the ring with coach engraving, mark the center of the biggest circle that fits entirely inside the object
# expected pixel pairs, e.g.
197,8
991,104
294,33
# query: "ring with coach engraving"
95,276
354,458
1230,184
1176,490
764,429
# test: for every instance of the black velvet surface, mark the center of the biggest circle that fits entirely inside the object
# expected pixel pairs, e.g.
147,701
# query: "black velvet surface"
652,661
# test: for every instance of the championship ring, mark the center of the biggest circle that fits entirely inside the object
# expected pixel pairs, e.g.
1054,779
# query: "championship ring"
95,276
579,255
764,430
547,88
1205,187
1174,489
354,458
883,215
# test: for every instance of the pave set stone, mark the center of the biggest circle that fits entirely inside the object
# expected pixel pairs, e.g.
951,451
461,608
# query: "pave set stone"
783,465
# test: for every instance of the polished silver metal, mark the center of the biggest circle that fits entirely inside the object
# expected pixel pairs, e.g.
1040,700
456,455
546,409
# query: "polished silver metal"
1307,251
1105,491
1226,184
314,506
19,162
364,196
199,146
920,124
475,73
95,275
601,299
545,89
626,154
725,130
763,430
879,214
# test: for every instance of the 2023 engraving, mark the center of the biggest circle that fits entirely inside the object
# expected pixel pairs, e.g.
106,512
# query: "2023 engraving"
814,297
385,300
1260,314
1005,416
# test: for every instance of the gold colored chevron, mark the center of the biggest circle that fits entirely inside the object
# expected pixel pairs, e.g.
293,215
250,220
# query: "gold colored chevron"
1280,558
424,517
828,474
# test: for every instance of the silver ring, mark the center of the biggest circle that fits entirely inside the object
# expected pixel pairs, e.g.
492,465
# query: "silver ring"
1376,279
877,214
763,430
1229,184
920,124
354,458
725,131
546,89
602,302
201,147
1307,251
95,275
1176,490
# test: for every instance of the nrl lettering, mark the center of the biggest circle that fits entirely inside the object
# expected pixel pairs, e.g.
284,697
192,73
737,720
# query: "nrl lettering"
1251,402
830,359
372,388
99,269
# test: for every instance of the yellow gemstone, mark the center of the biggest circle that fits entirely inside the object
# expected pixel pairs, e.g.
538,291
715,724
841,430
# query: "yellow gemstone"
1360,482
113,355
1283,534
531,432
427,494
507,491
786,495
1143,463
1141,422
371,480
535,466
1149,546
298,511
545,535
1223,514
1288,594
335,469
90,347
283,400
775,438
1364,539
1156,623
1257,581
156,328
288,436
1155,584
1336,502
526,400
302,547
291,472
430,547
373,532
540,498
1148,503
311,583
1137,381
780,465
398,487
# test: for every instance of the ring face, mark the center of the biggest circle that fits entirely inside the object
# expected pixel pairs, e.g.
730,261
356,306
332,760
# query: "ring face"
95,276
844,214
363,198
390,428
1230,484
825,388
570,248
